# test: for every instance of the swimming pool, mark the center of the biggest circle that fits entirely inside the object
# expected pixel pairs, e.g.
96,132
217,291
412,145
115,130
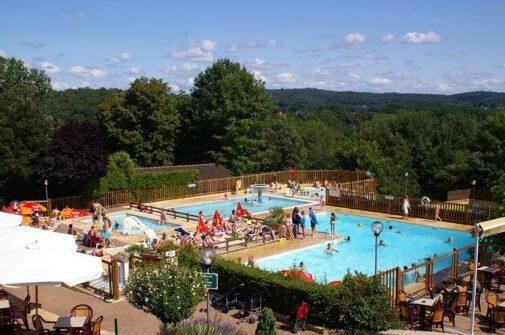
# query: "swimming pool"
405,244
150,223
224,207
312,192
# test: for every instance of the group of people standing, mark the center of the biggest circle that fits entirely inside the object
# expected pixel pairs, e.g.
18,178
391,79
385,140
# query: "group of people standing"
294,225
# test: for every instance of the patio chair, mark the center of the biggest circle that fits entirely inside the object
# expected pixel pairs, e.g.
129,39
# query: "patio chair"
462,302
82,310
497,318
298,320
38,323
483,280
94,327
228,301
254,304
402,296
435,318
409,313
21,312
492,302
499,279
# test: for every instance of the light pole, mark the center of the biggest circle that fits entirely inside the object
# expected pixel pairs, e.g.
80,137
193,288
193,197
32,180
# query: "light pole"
406,183
477,231
472,195
376,227
206,256
46,183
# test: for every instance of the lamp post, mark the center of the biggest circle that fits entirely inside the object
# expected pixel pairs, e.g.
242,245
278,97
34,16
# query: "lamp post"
206,256
46,183
472,195
376,227
477,232
406,183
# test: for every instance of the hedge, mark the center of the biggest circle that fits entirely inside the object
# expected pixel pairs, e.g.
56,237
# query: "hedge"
150,180
359,303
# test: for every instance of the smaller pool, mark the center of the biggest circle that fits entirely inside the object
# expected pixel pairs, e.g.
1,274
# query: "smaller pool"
150,223
312,192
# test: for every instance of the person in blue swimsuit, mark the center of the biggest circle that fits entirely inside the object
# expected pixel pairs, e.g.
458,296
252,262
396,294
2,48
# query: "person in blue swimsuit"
313,221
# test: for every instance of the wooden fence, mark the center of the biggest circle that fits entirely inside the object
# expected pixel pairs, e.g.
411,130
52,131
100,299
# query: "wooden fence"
124,197
469,194
368,201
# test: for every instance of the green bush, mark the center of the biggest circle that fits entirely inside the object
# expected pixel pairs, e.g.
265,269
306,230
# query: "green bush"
165,290
366,308
120,171
136,249
199,327
149,180
266,324
275,217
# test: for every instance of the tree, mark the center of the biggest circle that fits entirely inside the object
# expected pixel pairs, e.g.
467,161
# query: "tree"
143,121
223,94
255,145
266,324
77,154
25,127
167,291
499,195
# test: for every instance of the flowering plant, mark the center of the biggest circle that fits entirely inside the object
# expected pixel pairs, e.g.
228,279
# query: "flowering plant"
165,290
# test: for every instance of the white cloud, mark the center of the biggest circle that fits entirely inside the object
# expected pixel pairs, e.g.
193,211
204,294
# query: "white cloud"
254,45
184,67
121,58
49,68
259,76
389,38
190,81
285,77
380,81
134,70
259,63
197,53
415,37
2,53
174,88
355,38
208,45
444,87
84,72
59,85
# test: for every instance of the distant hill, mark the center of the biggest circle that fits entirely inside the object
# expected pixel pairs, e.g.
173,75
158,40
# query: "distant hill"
312,97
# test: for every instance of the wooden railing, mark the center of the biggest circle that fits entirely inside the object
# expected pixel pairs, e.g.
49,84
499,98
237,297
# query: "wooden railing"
124,197
168,211
451,212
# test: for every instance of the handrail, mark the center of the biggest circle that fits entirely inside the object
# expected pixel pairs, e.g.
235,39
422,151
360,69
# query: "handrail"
169,211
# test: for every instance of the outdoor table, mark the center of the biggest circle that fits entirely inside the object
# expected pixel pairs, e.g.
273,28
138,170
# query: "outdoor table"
4,304
73,324
423,303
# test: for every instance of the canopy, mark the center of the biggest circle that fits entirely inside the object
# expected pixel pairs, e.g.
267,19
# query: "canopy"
28,207
20,237
36,265
492,227
10,220
202,228
218,221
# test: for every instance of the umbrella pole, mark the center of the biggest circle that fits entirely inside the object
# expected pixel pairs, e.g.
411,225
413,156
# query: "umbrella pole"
36,299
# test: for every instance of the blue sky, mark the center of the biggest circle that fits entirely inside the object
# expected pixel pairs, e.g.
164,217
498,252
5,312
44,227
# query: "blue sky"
378,46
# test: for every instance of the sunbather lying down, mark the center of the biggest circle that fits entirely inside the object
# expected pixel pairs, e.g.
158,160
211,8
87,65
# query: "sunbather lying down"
99,251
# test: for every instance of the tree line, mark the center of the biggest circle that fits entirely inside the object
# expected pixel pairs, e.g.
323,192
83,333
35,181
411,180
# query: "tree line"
230,118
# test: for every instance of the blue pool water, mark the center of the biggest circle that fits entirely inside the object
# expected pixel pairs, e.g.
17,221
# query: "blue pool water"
226,206
150,223
311,192
405,244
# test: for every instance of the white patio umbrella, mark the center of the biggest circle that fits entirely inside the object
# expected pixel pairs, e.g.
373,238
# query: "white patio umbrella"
10,220
20,237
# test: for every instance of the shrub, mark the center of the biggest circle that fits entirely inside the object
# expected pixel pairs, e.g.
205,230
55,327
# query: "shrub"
336,307
165,246
275,217
136,249
149,180
188,257
266,324
120,171
199,327
167,291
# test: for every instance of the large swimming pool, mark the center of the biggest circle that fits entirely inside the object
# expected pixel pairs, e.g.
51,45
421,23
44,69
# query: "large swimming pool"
405,244
226,206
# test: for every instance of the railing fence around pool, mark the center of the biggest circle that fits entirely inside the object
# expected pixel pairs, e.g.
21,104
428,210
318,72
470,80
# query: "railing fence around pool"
351,179
365,200
418,279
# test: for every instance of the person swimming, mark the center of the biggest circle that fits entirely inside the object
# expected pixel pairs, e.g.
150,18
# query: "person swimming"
391,228
381,243
329,249
449,240
360,225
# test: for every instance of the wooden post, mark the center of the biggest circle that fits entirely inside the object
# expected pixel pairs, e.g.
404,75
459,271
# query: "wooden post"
116,294
428,282
398,283
455,262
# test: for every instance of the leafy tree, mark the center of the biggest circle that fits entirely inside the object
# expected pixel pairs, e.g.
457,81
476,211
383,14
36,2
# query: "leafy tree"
255,145
266,324
143,121
77,153
223,94
120,171
499,195
167,291
25,127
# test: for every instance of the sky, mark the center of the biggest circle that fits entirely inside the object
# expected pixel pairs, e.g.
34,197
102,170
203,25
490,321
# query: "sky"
428,46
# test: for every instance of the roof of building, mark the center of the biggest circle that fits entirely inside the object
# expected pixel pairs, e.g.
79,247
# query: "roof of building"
205,171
